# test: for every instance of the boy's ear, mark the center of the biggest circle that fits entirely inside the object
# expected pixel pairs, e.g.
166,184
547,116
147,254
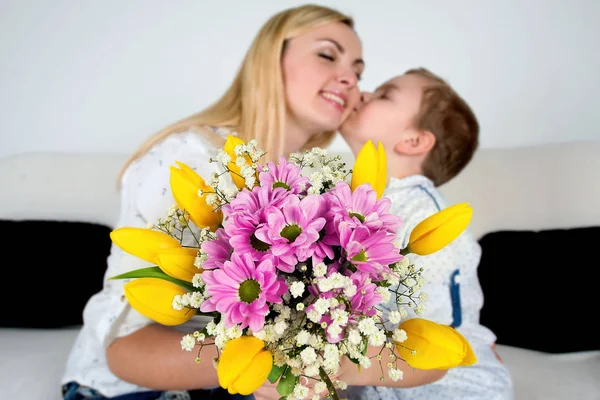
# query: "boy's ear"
415,142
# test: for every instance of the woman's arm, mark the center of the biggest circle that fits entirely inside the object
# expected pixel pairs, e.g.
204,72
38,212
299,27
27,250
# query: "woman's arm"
152,357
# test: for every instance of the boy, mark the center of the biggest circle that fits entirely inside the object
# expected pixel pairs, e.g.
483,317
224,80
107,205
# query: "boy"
430,134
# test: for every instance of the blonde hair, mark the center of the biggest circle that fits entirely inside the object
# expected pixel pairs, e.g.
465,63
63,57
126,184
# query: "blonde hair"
449,117
254,105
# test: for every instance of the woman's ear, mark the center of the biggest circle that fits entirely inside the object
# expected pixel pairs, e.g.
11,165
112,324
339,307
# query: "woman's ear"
415,143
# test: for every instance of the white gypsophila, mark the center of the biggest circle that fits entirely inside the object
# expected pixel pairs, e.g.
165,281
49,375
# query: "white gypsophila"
280,327
199,336
392,278
201,258
399,335
221,339
367,326
300,391
395,374
223,157
339,281
395,317
334,330
211,199
324,284
285,312
299,306
233,332
403,312
316,341
214,180
230,193
312,370
410,282
320,387
302,338
322,305
339,316
250,182
320,270
177,303
197,281
350,290
364,361
420,309
211,328
385,294
196,299
377,338
308,355
314,315
331,352
354,336
296,289
188,342
341,385
260,335
423,296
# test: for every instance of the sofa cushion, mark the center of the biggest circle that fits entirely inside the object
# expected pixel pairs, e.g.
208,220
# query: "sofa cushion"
50,270
537,288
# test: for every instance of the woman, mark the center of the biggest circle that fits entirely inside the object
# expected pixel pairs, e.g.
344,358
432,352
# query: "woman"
296,85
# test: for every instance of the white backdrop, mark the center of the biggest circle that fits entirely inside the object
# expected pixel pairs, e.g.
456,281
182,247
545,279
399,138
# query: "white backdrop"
100,76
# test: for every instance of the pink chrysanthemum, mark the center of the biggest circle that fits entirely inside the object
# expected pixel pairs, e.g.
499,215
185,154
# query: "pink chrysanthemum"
285,175
241,231
366,297
328,236
361,207
292,230
217,250
370,252
242,291
254,202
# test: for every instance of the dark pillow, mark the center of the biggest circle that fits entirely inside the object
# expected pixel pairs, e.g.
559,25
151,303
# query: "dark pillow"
540,290
49,271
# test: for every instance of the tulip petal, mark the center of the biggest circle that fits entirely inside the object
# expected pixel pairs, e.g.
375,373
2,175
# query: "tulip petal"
365,166
178,262
439,237
254,376
437,346
230,144
153,298
381,179
236,357
185,184
143,243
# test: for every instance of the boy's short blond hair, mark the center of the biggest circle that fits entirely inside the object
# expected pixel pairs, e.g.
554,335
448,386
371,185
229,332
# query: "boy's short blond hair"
448,116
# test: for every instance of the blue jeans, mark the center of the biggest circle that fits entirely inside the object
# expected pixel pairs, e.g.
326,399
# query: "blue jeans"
74,391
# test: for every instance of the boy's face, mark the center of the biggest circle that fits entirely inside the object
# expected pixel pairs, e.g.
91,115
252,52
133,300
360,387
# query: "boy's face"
386,114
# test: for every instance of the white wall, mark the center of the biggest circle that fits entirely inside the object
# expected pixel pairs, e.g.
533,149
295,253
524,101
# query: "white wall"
100,76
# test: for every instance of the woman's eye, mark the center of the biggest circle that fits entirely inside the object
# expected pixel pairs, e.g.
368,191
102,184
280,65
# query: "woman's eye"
327,56
358,76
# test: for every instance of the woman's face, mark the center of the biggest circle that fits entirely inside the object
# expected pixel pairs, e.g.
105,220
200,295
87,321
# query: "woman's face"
321,69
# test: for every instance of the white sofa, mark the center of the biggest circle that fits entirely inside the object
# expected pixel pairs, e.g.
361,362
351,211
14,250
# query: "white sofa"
528,188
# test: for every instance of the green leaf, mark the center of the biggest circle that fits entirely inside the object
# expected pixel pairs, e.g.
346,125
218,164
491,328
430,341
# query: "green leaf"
287,382
154,272
276,372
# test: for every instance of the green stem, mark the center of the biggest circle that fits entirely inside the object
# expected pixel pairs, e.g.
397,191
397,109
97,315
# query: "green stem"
332,392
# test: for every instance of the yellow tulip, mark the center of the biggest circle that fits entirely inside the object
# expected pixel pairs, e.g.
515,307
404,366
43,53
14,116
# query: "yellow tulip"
436,346
143,243
185,184
153,297
244,365
370,167
438,230
230,144
178,262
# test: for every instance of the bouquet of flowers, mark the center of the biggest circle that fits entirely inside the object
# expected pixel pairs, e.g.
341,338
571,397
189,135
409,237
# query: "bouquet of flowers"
293,269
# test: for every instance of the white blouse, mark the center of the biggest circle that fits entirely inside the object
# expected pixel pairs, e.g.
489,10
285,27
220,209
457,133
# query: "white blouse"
145,197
